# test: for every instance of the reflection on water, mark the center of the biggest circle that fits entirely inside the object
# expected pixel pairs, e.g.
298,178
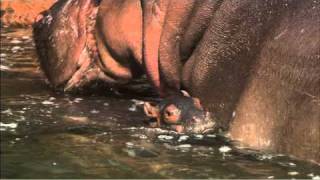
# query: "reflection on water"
51,135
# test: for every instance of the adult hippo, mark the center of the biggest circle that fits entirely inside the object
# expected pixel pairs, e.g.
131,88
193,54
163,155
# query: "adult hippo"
254,64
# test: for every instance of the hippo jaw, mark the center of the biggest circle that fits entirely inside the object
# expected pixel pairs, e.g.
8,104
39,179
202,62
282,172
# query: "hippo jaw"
66,46
201,124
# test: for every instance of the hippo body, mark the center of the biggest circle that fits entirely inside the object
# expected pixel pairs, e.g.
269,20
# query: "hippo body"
254,64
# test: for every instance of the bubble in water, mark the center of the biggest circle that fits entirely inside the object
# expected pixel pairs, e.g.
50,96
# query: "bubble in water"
16,41
143,136
26,37
293,173
292,164
94,111
47,102
129,144
211,135
224,149
16,48
77,100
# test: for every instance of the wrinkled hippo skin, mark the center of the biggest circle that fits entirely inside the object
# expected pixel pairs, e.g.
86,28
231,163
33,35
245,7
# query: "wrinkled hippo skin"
254,64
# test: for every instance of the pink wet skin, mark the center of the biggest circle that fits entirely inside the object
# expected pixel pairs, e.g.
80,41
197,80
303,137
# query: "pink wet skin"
153,22
178,128
72,61
102,51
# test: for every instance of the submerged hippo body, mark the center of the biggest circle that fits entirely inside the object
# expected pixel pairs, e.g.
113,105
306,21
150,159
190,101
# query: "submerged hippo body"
254,64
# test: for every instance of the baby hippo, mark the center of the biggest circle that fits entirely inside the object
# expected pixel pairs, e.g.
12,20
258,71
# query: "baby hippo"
181,112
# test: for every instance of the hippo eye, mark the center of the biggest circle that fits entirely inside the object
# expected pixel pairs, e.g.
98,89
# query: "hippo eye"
171,114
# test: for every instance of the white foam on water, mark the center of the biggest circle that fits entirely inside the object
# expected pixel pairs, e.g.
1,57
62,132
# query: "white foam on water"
293,173
94,111
77,100
47,102
16,48
129,144
198,136
316,177
137,102
165,137
4,68
143,136
9,125
133,108
16,41
8,112
26,37
211,135
129,128
183,138
184,146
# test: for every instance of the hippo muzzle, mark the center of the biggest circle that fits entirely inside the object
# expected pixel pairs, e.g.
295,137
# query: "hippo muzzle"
65,43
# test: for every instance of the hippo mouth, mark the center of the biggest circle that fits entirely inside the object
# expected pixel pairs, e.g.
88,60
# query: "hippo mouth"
201,126
65,42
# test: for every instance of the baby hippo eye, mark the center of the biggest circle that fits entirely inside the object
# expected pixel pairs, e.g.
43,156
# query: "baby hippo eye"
171,114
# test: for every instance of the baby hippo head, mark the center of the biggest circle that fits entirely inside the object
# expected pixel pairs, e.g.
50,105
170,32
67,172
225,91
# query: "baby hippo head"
182,113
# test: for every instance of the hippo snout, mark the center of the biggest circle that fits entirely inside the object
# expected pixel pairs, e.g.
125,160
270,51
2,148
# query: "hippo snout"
200,124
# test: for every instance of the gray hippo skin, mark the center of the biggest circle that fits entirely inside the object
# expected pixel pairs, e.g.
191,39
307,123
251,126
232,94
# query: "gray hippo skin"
254,64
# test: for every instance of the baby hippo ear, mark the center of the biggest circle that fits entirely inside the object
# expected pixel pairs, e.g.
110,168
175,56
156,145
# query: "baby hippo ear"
151,110
197,103
185,93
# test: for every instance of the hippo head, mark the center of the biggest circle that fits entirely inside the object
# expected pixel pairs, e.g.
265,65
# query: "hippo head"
182,113
65,43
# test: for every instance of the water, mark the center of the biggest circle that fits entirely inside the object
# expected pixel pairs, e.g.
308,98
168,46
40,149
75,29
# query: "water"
45,134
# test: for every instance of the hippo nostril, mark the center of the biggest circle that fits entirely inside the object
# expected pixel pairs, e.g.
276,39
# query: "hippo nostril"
195,120
39,18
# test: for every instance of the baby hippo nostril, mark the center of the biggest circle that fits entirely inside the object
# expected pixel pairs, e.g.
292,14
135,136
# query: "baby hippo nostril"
39,18
195,120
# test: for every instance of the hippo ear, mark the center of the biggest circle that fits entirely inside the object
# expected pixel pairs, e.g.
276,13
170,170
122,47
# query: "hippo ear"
151,110
197,103
185,93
